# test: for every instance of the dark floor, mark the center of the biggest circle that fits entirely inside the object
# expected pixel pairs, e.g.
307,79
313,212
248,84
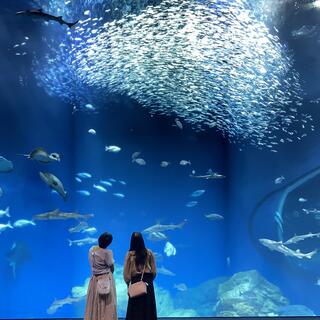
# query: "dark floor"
212,318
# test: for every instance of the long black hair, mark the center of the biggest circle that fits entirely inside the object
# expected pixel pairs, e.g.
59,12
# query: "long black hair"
137,245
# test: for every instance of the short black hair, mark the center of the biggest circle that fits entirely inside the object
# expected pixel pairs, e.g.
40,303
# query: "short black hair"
105,240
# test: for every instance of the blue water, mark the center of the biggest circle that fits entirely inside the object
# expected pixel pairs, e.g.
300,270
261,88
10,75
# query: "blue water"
47,268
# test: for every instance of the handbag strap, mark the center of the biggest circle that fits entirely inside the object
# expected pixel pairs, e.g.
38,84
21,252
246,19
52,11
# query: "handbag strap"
144,268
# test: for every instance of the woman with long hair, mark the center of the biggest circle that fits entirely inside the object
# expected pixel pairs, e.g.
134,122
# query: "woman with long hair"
140,263
101,297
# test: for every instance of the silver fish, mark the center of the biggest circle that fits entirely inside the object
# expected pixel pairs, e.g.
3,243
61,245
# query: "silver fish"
23,223
5,212
140,161
3,227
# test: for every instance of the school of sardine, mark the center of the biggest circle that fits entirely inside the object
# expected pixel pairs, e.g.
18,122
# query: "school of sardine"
211,63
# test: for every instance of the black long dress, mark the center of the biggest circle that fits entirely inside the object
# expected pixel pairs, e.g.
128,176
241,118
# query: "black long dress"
143,307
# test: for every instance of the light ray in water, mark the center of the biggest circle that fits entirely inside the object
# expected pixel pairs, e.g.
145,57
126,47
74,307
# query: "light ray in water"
212,63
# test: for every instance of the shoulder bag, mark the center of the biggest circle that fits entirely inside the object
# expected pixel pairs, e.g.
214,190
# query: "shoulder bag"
139,288
103,284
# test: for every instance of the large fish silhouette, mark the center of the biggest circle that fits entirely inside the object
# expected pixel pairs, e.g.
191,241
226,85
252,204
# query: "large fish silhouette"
38,13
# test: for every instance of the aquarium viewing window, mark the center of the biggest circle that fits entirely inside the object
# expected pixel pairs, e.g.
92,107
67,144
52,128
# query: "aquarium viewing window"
193,122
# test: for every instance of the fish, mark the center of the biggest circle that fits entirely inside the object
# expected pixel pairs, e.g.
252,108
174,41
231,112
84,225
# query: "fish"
135,155
59,215
191,204
54,183
18,254
57,304
164,227
119,195
279,221
139,161
156,236
4,227
1,192
80,291
92,132
210,175
23,223
169,249
6,166
38,13
5,212
305,31
312,211
181,287
113,149
78,179
197,193
41,155
164,164
79,227
296,239
312,5
84,175
112,180
100,188
106,183
228,261
164,271
279,180
280,247
91,230
82,242
302,200
217,74
185,163
85,193
122,182
158,256
214,216
178,123
89,107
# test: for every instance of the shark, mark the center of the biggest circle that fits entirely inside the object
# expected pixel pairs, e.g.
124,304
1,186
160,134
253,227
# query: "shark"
296,239
164,271
39,14
57,304
59,215
280,247
164,227
209,175
17,255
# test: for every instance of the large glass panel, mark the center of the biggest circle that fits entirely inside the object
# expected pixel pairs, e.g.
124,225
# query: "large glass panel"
194,122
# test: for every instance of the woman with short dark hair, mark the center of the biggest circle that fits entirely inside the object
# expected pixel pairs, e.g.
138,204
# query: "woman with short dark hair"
101,296
140,262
